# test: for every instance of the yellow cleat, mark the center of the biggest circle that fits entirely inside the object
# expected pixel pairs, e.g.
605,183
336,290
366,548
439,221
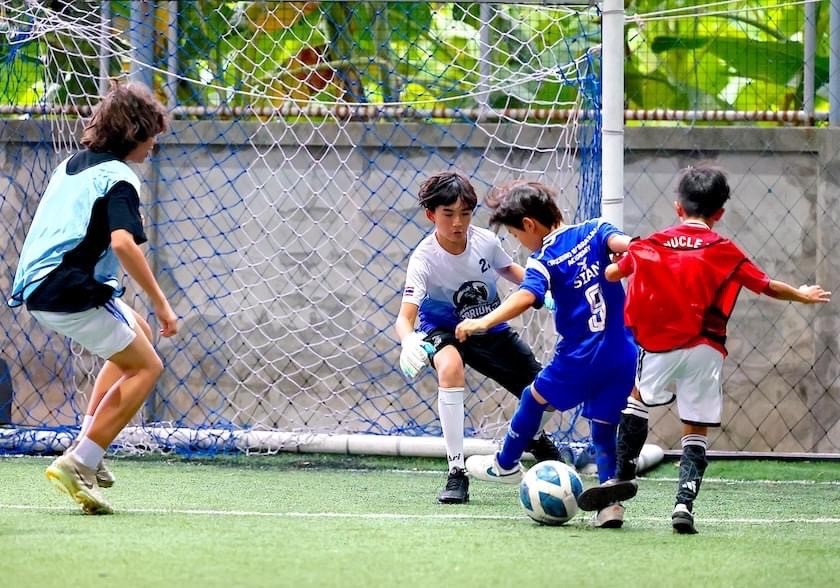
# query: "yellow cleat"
79,482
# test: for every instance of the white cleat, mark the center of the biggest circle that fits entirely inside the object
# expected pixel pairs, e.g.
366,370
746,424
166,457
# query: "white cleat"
486,467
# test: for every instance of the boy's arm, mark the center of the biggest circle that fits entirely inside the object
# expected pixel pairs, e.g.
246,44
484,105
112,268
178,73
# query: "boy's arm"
613,273
754,278
406,320
618,242
132,259
805,294
513,306
513,273
619,269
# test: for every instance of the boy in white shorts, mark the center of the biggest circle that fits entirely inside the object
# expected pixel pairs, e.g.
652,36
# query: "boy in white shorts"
87,224
683,284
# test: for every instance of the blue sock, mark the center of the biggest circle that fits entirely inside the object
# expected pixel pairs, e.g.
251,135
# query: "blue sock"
523,426
604,442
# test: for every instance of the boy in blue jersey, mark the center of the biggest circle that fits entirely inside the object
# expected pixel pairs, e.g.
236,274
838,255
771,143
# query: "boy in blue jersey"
595,356
451,276
87,224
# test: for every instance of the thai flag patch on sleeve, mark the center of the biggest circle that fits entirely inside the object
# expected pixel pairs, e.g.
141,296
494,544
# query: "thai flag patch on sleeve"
409,291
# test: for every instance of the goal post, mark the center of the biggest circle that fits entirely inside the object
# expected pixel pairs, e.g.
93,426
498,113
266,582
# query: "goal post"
281,208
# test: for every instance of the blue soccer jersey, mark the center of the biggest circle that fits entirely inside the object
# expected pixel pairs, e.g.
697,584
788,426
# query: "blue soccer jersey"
595,354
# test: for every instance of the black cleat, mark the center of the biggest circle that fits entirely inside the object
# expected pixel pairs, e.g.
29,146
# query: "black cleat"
682,520
611,491
457,488
544,449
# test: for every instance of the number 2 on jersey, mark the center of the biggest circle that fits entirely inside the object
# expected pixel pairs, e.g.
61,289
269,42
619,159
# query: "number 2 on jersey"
598,320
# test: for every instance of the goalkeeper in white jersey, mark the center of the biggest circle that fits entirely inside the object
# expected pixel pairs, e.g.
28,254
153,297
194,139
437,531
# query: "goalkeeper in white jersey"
452,276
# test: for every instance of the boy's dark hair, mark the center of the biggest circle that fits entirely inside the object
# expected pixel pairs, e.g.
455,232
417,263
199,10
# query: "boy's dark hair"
703,190
445,188
125,117
514,201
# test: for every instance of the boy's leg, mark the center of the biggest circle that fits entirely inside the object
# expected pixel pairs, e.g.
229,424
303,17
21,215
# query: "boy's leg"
504,466
632,432
450,371
143,368
523,426
517,370
75,471
109,376
604,442
700,406
692,467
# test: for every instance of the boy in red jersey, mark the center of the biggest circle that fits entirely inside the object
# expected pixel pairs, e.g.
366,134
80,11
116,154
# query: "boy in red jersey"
683,284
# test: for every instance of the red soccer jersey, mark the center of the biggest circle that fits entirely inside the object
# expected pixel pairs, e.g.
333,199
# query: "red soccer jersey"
683,285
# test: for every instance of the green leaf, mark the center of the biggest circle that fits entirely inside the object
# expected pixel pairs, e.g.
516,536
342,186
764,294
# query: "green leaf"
467,12
773,61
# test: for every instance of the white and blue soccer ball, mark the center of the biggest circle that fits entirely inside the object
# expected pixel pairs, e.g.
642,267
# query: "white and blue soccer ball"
548,492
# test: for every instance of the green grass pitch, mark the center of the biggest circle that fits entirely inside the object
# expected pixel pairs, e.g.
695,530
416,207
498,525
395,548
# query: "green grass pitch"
294,520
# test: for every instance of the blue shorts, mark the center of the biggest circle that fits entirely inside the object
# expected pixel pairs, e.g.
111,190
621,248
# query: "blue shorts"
601,384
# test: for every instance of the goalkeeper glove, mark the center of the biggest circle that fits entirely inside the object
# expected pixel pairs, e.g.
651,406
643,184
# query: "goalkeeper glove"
548,302
415,354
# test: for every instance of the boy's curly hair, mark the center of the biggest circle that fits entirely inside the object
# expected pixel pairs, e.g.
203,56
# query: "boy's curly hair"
515,200
125,117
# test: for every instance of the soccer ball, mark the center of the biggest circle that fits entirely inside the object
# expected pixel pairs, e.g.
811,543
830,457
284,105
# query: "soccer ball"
548,492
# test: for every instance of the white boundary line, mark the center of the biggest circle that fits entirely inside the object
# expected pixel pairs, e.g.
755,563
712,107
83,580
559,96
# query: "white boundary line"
642,479
403,516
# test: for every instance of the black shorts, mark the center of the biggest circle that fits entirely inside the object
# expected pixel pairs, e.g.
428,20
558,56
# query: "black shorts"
501,356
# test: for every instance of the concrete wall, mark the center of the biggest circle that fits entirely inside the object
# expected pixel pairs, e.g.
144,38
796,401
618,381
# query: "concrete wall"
284,248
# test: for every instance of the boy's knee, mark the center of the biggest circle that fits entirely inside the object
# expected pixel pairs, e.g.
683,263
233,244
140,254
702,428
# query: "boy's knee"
450,370
154,367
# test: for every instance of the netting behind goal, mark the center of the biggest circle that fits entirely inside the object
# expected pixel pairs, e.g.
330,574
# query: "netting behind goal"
281,209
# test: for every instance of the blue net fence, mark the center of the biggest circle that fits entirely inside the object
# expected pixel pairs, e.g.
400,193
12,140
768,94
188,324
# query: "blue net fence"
281,207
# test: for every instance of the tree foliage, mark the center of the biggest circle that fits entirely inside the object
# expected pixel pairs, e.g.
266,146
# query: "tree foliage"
745,55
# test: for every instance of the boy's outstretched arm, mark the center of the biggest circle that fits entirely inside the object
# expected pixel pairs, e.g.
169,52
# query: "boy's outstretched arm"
805,294
512,307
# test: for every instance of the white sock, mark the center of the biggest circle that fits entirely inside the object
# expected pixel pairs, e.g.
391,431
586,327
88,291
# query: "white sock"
545,418
89,453
85,425
451,414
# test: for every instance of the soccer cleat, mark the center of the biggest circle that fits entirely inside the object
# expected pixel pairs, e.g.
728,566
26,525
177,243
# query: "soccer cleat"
682,520
544,449
73,478
609,517
600,497
487,468
457,488
104,477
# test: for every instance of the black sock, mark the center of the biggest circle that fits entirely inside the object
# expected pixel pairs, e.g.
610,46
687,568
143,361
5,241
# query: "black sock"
632,432
692,467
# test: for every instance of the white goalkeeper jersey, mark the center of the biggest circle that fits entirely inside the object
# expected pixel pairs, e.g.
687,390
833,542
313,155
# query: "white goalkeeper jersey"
449,288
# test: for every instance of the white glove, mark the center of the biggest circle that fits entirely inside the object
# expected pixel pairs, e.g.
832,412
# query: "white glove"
548,301
415,354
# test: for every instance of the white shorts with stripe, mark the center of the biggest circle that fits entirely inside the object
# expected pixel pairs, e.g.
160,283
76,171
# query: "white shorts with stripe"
104,331
694,373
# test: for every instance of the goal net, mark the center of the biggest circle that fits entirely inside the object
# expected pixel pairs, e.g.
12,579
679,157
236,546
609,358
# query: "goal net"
281,208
